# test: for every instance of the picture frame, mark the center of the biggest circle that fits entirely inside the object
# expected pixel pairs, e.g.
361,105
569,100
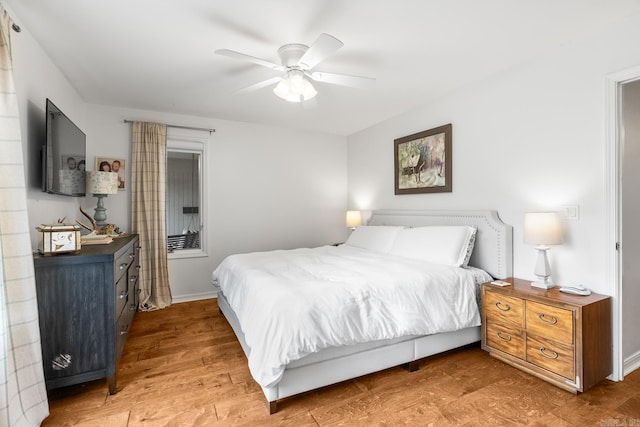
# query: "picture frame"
422,162
112,164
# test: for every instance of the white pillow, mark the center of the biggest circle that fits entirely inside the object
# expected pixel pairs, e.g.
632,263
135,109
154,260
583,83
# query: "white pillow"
378,238
449,245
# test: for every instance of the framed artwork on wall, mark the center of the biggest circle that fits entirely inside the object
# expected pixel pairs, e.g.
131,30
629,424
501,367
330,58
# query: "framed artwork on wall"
422,162
106,164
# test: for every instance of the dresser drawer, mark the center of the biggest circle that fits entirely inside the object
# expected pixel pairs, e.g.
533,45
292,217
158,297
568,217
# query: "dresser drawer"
502,309
122,330
122,295
553,356
123,262
504,338
550,322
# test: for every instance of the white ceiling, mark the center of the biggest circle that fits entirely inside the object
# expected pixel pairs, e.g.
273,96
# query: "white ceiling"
159,54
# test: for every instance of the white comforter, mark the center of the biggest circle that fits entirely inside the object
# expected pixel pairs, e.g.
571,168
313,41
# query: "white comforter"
296,302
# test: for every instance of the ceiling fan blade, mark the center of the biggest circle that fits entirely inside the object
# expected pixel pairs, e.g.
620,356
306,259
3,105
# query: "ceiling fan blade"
320,50
343,79
245,57
259,85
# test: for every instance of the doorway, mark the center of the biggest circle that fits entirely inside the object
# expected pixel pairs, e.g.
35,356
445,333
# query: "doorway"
629,149
623,229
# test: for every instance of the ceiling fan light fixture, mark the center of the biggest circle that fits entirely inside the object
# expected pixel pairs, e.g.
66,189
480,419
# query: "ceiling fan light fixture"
294,87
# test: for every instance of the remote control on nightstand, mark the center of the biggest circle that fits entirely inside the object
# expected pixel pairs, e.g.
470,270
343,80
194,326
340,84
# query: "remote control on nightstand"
576,290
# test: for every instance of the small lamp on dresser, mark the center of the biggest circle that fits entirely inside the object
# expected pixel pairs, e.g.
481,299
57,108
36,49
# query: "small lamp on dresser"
354,219
100,184
542,229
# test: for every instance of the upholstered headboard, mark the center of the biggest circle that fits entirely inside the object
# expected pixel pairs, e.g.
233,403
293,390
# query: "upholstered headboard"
493,251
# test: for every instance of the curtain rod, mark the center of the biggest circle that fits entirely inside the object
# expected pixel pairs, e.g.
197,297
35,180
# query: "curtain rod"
181,127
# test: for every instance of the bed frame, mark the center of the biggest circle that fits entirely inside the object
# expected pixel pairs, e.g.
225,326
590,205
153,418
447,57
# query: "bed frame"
492,253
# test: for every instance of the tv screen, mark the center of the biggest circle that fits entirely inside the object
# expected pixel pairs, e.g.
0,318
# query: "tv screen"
64,155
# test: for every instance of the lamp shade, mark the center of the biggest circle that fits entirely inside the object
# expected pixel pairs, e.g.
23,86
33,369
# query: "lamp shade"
354,219
542,228
102,182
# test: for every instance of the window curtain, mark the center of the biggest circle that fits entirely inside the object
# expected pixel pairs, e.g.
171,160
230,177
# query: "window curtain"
149,211
23,396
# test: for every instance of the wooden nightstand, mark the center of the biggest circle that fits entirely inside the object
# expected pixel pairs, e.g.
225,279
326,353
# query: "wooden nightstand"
561,338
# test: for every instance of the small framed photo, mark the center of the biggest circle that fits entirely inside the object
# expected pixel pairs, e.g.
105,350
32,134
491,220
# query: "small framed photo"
73,162
422,162
107,164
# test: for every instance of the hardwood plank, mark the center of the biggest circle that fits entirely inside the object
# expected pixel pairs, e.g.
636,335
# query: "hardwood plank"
183,366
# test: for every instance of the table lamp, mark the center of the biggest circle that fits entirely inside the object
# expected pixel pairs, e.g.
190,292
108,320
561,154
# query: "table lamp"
354,219
100,184
542,229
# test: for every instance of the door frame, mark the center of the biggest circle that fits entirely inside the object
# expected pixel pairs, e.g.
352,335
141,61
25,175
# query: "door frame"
613,93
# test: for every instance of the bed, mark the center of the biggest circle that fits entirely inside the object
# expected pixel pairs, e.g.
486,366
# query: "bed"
285,363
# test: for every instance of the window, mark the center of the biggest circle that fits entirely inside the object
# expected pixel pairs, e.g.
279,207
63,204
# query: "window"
185,198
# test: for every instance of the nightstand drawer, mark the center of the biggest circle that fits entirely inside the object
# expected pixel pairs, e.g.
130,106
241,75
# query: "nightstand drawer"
550,322
504,309
503,338
555,357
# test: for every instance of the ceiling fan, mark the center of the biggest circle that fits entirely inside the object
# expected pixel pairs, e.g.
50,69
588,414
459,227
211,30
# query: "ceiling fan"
298,61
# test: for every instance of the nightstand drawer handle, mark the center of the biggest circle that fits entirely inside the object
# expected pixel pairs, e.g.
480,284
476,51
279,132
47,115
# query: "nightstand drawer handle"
506,338
123,265
552,320
552,355
123,294
503,307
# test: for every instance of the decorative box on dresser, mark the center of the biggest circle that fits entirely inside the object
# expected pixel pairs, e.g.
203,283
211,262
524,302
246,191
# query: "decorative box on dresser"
562,338
86,304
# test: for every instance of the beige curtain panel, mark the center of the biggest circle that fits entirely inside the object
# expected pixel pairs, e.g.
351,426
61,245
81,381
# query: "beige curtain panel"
23,396
148,211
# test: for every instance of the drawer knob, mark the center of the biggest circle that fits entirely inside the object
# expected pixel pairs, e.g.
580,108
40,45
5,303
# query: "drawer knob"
131,256
123,265
503,307
551,320
551,355
124,330
133,278
124,294
505,337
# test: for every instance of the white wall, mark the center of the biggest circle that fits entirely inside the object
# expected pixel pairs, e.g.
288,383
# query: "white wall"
529,139
37,78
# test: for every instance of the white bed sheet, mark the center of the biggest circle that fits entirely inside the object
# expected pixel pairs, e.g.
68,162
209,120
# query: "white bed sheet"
297,302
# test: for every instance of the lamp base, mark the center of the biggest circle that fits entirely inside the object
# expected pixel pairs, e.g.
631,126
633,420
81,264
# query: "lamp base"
543,285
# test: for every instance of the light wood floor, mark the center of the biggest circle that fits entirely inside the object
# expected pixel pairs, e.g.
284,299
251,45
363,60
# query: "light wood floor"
183,366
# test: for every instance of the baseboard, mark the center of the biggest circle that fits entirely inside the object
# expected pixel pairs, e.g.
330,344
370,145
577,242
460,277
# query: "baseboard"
631,363
194,297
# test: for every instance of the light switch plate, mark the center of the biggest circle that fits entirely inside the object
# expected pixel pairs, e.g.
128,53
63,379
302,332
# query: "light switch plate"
571,212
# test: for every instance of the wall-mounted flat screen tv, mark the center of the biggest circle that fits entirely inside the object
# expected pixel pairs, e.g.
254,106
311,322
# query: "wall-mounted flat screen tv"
63,155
